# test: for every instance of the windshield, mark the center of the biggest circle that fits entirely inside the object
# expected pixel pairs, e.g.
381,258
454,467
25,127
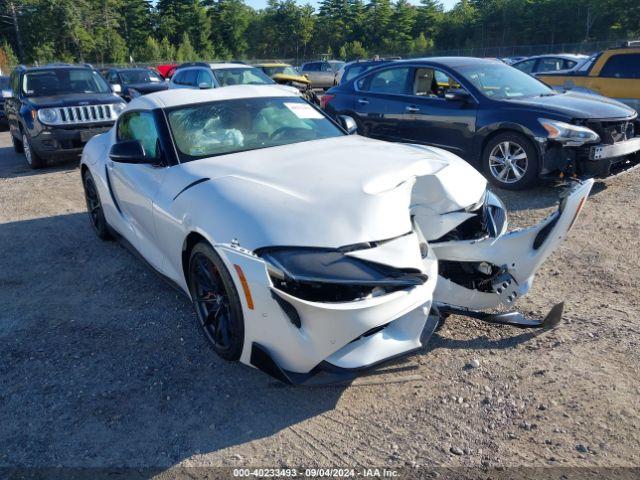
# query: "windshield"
241,76
271,71
231,126
60,81
139,76
501,82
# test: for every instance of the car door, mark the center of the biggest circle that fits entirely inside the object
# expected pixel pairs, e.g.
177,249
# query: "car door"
136,185
619,77
435,120
312,71
382,103
326,76
205,79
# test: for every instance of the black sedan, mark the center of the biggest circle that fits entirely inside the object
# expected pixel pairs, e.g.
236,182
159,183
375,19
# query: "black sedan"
132,82
509,125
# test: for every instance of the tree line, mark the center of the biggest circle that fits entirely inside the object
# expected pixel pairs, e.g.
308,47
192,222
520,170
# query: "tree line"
119,31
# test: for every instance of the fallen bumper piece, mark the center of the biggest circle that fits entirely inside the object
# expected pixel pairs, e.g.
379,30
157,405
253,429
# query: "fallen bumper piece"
516,319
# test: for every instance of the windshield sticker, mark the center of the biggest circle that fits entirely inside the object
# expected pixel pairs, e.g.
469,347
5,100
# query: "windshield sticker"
302,110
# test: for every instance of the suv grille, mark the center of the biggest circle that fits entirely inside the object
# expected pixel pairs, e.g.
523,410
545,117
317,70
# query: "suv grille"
86,114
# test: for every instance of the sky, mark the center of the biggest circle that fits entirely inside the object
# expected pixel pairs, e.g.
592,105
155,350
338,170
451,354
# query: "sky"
263,3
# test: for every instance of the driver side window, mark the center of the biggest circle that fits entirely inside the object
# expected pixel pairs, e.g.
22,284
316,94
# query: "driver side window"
140,126
429,82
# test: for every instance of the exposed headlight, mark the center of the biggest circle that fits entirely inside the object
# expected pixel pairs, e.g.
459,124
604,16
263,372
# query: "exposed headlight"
118,108
331,276
570,135
48,115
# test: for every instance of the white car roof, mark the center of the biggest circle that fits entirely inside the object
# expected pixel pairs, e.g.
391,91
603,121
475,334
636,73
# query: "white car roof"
224,66
186,96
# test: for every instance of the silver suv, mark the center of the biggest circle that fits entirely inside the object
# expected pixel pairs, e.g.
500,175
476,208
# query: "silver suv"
322,74
214,75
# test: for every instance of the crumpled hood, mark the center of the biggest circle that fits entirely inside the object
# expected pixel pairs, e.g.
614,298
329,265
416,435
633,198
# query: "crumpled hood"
578,105
330,193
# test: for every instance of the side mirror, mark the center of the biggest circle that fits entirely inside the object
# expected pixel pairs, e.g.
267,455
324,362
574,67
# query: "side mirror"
306,75
348,123
117,88
457,95
7,94
204,86
130,151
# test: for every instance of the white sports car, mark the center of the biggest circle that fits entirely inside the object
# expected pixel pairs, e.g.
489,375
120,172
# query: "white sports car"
308,252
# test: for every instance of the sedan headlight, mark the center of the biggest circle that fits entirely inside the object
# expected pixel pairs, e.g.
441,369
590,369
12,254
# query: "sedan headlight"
327,275
48,115
118,108
567,134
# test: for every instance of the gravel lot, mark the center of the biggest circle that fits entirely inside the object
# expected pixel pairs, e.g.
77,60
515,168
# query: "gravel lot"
102,364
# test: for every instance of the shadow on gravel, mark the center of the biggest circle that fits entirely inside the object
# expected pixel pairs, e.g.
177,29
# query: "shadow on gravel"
481,343
102,363
14,164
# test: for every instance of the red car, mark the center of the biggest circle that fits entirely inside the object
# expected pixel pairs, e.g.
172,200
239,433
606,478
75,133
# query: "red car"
167,70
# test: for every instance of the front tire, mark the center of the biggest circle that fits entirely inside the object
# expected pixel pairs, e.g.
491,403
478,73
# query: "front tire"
33,159
216,301
18,146
94,208
510,161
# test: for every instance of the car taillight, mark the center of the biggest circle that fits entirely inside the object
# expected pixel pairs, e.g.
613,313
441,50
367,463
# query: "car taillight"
325,100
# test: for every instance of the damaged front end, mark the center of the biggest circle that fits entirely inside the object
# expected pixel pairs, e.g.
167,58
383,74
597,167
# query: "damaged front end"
332,312
588,148
485,267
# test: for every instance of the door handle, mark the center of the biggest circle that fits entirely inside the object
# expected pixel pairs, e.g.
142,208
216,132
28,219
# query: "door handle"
412,109
363,101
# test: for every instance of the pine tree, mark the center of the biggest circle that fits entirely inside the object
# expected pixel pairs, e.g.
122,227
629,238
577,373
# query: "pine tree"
8,58
167,51
186,52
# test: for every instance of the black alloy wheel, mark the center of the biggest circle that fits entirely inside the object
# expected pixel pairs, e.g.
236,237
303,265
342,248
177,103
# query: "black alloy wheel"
94,208
216,302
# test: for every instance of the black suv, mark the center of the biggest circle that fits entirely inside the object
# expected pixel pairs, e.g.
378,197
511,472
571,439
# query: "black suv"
54,110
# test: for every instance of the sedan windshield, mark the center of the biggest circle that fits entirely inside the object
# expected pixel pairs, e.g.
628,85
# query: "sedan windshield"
241,76
501,82
130,77
60,81
231,126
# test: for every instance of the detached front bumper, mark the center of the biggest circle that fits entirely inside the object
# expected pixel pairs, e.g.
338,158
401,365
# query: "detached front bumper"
295,340
511,259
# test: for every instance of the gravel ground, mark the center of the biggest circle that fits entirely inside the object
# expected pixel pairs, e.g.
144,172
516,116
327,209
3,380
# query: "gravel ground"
102,364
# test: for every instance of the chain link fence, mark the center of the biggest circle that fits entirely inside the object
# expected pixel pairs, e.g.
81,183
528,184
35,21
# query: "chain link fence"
492,52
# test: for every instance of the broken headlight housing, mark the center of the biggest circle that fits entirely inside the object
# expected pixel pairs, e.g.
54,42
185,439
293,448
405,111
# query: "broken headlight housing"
567,134
328,275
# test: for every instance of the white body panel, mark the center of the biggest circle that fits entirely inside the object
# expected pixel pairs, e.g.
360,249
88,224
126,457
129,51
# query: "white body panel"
324,193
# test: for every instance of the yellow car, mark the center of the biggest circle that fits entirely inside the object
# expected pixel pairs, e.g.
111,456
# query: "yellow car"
284,74
614,73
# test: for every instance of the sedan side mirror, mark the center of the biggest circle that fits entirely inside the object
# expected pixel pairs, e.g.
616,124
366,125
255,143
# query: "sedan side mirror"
348,123
117,88
204,86
130,151
457,95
